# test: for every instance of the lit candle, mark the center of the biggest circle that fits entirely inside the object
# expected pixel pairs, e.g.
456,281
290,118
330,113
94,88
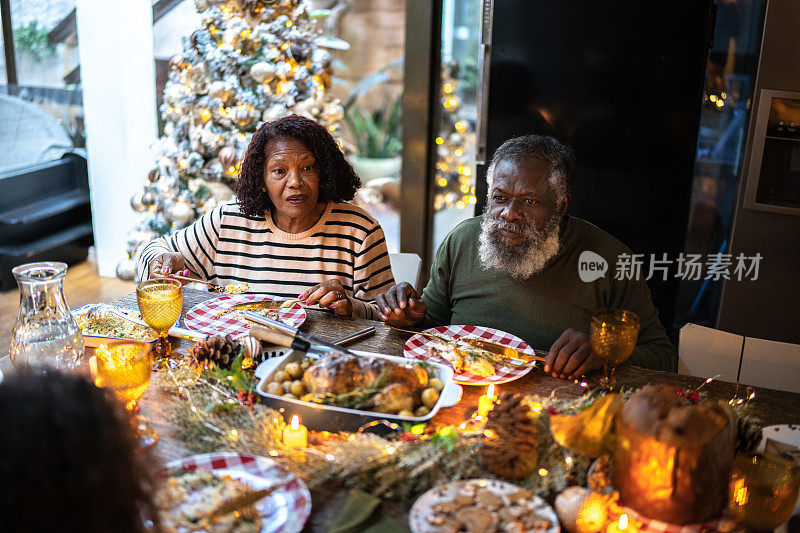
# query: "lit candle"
295,435
486,403
622,526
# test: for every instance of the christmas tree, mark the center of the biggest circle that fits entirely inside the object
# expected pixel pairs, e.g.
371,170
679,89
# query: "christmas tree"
252,61
455,148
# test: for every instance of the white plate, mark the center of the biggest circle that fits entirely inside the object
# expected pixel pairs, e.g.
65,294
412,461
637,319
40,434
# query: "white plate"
284,511
422,509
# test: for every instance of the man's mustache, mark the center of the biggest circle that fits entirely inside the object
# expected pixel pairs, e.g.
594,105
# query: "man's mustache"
496,224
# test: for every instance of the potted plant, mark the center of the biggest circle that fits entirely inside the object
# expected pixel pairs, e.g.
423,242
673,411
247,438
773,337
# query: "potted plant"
376,135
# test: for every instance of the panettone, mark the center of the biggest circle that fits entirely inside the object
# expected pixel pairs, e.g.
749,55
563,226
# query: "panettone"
672,459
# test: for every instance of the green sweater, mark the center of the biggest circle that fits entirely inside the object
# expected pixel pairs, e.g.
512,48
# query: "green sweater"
539,309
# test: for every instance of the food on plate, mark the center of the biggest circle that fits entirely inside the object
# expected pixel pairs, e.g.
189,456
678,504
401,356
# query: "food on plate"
237,288
465,358
255,307
366,383
477,507
114,326
187,498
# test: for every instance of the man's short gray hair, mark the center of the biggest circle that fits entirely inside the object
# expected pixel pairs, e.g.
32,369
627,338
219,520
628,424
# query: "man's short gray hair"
558,156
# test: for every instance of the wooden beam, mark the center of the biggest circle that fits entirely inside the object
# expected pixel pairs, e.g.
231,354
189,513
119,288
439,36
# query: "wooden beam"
421,75
8,42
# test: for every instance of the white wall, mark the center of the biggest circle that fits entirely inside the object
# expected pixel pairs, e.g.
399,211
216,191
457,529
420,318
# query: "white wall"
117,72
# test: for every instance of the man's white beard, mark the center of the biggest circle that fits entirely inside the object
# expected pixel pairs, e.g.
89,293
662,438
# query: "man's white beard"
521,261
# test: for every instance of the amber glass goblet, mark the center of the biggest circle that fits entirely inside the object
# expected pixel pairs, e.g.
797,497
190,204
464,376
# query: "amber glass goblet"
763,490
613,336
125,367
160,303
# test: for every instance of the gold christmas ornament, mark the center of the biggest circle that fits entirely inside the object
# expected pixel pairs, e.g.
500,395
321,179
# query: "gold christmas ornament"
262,72
148,199
218,89
181,212
227,156
177,62
136,203
242,115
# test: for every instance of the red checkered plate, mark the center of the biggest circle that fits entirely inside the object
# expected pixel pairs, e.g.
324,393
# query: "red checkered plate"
418,347
284,511
209,317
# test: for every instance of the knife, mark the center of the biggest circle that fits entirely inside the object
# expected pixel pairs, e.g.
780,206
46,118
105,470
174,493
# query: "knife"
295,333
507,352
274,304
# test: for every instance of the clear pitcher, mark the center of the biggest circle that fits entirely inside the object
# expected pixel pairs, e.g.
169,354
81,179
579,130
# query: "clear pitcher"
46,334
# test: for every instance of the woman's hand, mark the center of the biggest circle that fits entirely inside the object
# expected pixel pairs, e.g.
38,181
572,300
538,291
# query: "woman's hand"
331,294
168,263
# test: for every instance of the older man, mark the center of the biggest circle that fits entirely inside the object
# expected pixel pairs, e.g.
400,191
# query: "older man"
516,267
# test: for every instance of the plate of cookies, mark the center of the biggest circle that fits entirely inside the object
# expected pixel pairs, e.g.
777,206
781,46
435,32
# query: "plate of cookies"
481,505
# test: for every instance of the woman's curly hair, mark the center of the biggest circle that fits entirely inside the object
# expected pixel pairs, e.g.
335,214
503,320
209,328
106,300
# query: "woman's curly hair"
338,181
69,459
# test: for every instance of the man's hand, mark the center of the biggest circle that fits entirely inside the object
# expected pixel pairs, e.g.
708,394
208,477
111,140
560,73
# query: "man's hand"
401,306
329,293
168,263
571,356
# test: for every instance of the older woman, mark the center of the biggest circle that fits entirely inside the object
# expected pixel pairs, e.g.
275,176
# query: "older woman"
290,232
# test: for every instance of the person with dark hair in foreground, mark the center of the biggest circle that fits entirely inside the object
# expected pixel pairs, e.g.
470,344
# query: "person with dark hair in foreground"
516,268
69,459
290,232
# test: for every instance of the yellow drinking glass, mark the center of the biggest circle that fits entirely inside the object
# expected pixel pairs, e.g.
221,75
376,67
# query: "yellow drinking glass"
763,490
613,337
125,367
160,303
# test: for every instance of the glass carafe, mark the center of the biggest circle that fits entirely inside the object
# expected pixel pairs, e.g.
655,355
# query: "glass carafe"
46,336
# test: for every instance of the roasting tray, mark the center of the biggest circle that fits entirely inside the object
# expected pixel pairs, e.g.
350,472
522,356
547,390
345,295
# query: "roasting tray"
330,418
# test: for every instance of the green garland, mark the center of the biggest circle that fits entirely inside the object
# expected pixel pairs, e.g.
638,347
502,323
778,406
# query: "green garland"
211,416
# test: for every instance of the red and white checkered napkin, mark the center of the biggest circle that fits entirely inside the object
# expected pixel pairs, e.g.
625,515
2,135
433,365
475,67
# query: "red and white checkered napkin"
417,347
654,526
284,511
207,317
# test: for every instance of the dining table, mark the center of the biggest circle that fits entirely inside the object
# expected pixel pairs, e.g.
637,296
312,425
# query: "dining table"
766,405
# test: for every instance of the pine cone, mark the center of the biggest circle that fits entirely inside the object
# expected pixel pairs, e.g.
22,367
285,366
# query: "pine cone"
748,436
511,449
220,351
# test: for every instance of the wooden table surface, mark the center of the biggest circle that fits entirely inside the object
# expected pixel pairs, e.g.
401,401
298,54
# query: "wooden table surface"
772,407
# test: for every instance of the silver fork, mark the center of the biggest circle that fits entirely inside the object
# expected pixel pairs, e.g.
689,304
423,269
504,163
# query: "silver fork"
100,311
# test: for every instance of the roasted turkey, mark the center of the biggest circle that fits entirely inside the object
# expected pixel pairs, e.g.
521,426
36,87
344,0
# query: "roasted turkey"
337,374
